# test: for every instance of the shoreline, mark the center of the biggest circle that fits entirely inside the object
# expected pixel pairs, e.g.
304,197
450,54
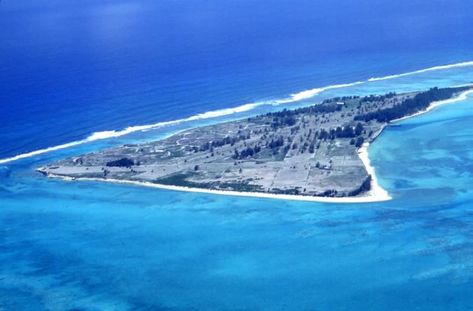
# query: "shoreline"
460,97
370,198
376,190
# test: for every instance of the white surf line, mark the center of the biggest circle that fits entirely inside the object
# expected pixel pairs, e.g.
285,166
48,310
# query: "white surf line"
312,92
369,198
307,94
41,151
111,134
435,68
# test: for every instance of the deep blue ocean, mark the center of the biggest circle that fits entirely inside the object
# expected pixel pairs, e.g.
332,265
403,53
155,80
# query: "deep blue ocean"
93,74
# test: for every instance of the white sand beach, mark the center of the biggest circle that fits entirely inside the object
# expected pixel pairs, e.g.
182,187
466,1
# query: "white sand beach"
376,192
372,196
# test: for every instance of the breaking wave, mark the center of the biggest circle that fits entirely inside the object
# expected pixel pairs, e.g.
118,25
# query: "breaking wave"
435,68
111,134
307,94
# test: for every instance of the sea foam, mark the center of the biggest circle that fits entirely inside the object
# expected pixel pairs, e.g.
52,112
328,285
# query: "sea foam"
307,94
303,95
435,68
114,133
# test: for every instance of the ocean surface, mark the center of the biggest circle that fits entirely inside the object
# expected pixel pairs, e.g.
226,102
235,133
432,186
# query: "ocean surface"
79,76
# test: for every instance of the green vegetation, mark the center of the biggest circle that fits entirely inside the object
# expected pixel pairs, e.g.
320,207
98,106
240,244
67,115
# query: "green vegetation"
410,106
123,162
181,180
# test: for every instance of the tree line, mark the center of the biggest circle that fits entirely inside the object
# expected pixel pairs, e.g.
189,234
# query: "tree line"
419,102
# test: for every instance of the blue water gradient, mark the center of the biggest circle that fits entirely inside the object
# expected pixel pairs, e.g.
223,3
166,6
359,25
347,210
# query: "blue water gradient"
96,246
68,69
71,68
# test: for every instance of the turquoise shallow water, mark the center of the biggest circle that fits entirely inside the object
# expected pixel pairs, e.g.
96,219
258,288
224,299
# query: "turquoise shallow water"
94,246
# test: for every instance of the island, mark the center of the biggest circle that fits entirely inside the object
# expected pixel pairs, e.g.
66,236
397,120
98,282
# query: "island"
306,152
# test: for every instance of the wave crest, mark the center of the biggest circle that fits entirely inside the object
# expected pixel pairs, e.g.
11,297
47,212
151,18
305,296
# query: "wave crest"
306,94
114,133
435,68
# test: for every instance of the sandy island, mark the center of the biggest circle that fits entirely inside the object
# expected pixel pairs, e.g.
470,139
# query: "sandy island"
375,194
